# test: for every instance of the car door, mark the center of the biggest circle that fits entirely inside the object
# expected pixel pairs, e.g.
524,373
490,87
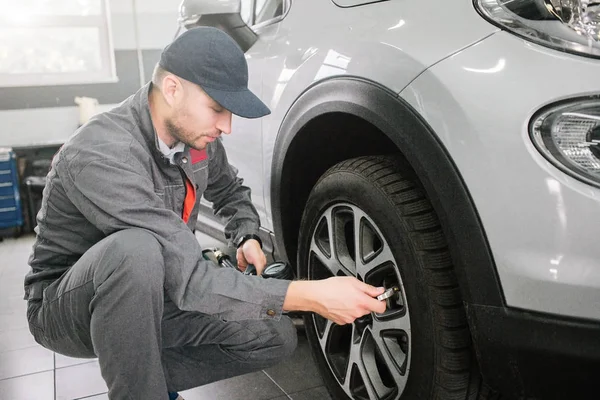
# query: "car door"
244,146
266,18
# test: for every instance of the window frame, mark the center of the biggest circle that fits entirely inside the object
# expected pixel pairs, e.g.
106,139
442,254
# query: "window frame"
107,72
287,4
252,7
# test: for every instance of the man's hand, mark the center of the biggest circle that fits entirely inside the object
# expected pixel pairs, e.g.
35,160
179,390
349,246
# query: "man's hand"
251,253
339,299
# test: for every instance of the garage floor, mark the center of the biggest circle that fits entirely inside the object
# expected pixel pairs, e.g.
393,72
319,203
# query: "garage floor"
30,372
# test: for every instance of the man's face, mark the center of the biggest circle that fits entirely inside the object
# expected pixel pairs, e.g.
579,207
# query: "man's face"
197,119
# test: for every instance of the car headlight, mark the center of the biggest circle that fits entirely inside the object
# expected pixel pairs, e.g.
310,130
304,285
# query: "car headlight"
568,135
567,25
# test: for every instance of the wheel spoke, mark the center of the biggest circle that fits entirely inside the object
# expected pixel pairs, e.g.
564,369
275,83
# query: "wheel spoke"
395,358
399,323
320,248
329,218
393,340
359,215
371,248
383,257
344,237
356,365
333,267
326,333
368,376
336,344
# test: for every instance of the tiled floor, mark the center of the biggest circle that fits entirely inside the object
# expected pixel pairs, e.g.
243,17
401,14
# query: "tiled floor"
30,372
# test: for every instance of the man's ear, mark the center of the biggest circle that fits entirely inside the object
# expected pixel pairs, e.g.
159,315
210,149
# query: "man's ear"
172,89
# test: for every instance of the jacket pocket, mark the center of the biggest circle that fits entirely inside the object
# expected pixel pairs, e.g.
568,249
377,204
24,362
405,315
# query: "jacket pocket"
161,194
174,197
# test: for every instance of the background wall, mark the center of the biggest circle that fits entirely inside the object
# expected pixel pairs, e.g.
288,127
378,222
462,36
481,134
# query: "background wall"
48,114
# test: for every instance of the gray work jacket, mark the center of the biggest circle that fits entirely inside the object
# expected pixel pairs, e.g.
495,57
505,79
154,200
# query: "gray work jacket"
111,175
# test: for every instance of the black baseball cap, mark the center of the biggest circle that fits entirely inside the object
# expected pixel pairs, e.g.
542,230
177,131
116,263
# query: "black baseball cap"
211,59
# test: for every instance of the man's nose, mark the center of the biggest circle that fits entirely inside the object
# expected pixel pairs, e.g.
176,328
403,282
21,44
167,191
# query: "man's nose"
224,122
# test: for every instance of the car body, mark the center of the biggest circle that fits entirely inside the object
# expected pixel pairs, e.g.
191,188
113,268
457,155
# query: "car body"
454,95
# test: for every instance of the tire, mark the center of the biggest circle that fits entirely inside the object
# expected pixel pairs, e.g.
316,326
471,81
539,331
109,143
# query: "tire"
420,348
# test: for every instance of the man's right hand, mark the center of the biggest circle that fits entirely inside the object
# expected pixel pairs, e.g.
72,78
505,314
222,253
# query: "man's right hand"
339,299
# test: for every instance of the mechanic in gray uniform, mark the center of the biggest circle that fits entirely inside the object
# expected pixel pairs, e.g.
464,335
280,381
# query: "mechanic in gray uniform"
116,270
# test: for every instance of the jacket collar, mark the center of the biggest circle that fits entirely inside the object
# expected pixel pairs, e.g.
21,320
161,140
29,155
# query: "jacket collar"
142,110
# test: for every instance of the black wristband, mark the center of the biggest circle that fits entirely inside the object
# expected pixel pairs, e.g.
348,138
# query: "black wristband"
249,236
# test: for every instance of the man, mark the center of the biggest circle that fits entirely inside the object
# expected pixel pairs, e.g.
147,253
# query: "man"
116,271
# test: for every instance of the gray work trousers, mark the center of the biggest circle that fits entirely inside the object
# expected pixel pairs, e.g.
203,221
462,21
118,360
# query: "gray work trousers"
111,305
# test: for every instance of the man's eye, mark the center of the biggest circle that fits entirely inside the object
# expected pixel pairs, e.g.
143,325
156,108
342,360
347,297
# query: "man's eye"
218,110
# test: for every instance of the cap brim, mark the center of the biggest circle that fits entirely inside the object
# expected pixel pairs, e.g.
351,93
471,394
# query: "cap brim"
243,103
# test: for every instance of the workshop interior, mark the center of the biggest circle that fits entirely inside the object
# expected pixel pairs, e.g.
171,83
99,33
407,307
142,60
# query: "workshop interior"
446,152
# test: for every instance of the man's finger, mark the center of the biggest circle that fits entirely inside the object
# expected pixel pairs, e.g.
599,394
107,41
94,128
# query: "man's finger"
256,257
372,290
241,260
376,306
260,262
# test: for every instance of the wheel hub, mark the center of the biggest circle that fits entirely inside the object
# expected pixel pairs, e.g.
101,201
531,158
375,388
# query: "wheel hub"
370,358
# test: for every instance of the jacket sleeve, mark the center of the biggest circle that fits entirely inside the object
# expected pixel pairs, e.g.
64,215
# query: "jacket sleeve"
115,193
230,198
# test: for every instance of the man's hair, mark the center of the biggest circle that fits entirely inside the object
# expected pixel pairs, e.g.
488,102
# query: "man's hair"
157,76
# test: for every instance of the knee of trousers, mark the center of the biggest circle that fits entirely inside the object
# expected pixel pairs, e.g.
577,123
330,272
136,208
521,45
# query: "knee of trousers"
266,342
135,255
285,339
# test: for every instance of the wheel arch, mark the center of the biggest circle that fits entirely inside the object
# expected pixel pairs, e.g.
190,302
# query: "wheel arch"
373,120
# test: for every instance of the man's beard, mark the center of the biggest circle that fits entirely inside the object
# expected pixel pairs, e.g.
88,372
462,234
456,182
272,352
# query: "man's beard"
183,135
177,132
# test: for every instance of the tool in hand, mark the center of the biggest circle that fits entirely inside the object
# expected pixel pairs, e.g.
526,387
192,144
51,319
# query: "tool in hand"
277,270
388,293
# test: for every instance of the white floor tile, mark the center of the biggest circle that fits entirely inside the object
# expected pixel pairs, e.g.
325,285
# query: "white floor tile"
30,387
25,361
16,339
64,361
256,386
103,396
79,381
13,320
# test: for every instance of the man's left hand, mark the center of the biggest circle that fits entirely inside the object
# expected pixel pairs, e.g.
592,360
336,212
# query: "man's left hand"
251,253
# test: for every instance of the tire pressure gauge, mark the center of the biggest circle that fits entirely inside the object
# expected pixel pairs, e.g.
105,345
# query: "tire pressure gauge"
388,293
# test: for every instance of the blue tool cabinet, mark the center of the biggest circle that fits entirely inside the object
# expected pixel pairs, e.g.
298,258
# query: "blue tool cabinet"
11,218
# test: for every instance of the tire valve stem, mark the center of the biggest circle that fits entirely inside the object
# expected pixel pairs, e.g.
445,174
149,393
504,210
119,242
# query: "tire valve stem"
388,293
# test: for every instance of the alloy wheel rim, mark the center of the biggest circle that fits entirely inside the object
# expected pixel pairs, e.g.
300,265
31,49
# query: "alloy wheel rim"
370,359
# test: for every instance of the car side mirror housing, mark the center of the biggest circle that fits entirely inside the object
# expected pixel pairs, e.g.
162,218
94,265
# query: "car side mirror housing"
222,14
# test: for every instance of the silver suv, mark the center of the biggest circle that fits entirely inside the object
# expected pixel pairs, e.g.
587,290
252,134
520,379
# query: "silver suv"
446,147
